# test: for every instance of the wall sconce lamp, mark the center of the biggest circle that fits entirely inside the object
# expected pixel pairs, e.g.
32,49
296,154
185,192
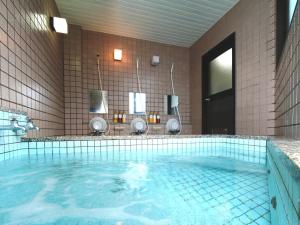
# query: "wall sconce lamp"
118,54
59,25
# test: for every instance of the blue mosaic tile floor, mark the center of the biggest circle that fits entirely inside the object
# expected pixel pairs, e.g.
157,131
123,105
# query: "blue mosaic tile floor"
163,191
235,197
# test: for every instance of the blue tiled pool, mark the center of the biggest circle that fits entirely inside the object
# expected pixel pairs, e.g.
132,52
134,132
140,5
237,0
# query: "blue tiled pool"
81,189
172,180
185,180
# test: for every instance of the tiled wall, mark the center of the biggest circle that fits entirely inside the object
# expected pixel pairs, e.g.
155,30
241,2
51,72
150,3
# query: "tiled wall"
119,78
32,63
32,71
10,141
254,24
287,87
73,82
136,148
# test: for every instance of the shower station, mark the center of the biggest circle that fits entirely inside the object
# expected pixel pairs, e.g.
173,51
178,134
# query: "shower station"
98,100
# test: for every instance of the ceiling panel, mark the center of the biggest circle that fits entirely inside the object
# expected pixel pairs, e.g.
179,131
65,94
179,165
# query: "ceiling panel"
176,22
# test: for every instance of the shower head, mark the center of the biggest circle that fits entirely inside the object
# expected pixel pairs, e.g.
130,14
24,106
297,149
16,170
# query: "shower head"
98,59
172,67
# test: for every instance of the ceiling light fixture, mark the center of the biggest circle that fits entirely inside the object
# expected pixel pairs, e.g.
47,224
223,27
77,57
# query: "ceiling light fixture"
59,25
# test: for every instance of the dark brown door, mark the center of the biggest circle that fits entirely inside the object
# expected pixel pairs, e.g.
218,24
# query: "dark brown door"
218,85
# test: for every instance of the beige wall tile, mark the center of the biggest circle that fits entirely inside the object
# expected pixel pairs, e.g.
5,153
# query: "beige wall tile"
287,85
119,78
253,24
32,63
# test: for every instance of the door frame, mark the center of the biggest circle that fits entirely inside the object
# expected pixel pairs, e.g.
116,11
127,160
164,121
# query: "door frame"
226,44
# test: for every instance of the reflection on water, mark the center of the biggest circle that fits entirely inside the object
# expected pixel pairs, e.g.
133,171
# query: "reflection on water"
135,175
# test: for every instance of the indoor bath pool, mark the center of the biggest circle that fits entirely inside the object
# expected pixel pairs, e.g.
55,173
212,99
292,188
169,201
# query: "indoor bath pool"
87,189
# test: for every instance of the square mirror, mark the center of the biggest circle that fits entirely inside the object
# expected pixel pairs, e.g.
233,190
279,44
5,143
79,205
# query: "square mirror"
137,103
170,103
98,101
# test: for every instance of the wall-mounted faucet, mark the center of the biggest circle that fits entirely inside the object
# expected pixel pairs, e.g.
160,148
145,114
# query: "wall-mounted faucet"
14,126
30,125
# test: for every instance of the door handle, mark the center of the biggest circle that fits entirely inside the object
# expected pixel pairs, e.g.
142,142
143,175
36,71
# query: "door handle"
207,99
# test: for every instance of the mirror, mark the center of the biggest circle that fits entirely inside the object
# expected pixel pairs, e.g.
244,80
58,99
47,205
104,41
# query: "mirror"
98,101
137,103
170,103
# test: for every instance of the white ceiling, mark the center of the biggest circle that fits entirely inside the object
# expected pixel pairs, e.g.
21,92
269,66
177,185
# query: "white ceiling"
176,22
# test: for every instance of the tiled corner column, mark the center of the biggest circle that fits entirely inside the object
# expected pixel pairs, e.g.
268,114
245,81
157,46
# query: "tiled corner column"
73,82
284,185
287,86
10,141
